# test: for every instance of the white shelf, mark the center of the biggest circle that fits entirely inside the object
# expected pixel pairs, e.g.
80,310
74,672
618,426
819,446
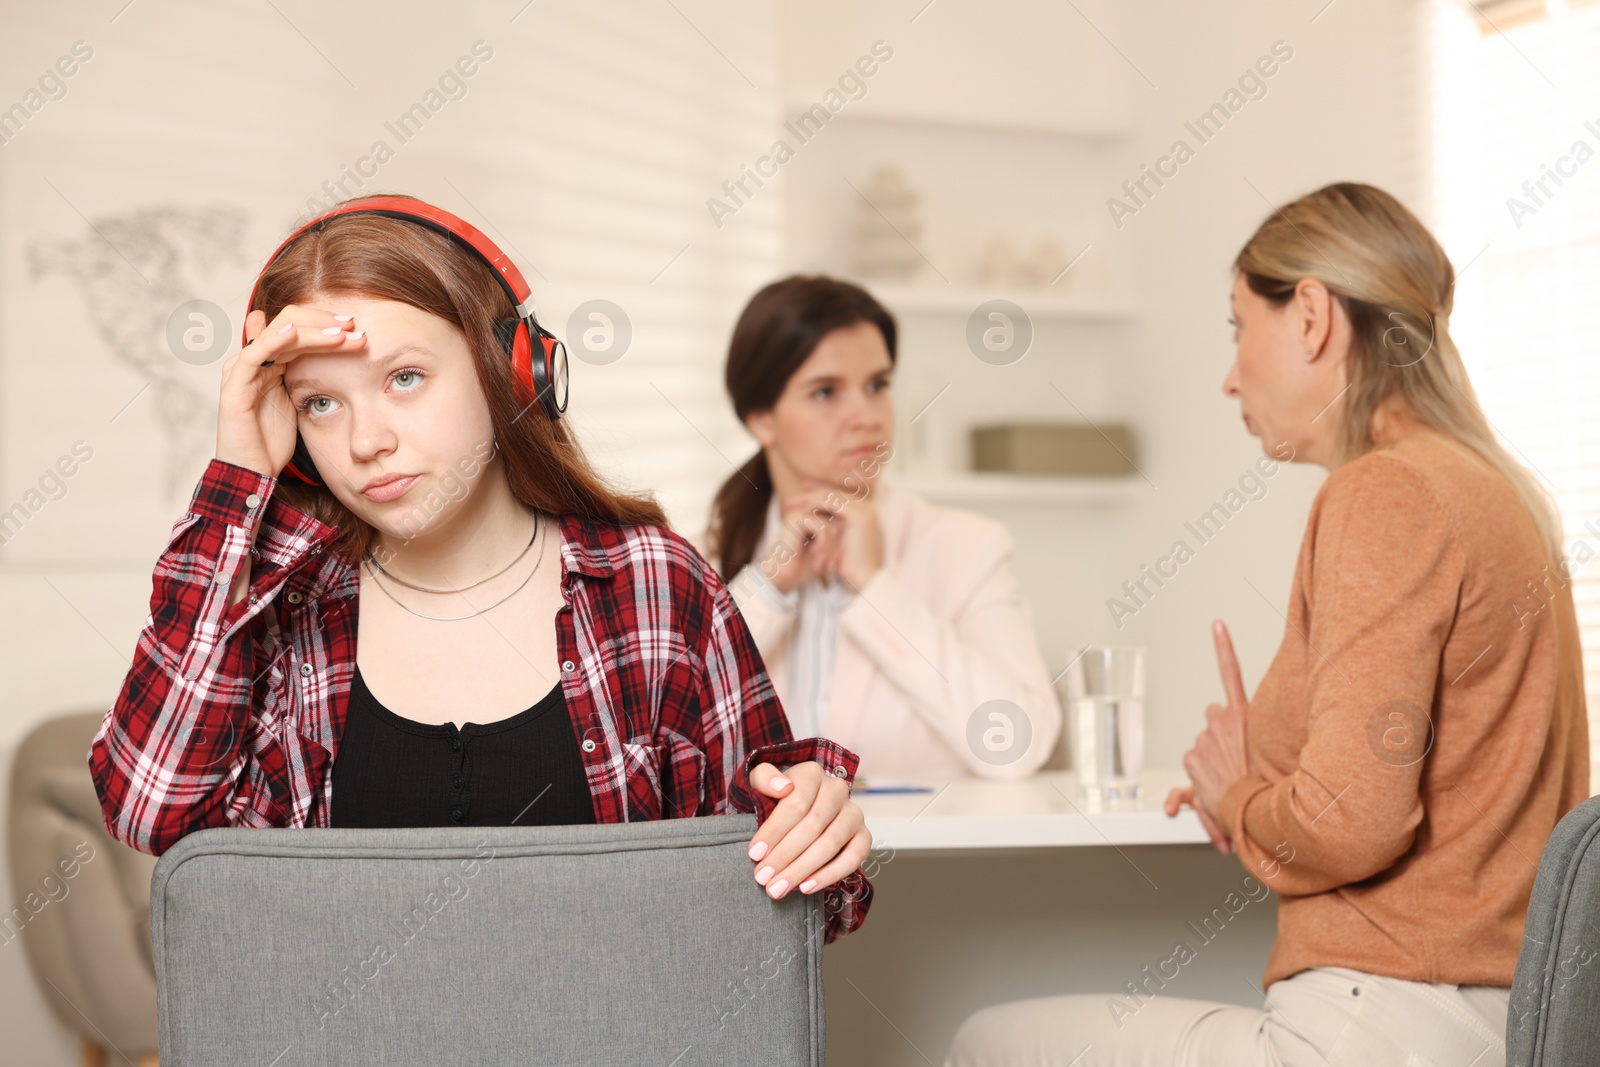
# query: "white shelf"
939,299
800,101
1043,810
976,488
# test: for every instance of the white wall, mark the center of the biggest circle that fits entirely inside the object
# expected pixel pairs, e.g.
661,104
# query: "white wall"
1318,123
586,145
964,932
589,161
589,144
1120,90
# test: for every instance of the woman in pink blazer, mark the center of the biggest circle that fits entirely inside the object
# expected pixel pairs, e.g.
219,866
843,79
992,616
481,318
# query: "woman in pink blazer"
887,624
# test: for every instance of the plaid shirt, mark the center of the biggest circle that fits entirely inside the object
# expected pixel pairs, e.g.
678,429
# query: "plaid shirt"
231,715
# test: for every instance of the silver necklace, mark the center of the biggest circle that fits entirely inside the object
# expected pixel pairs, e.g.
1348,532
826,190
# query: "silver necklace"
480,611
396,578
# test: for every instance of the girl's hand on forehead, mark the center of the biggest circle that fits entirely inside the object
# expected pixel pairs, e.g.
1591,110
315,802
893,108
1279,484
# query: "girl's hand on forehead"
309,329
256,425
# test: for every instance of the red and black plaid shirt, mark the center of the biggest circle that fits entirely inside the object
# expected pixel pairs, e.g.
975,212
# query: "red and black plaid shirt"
231,715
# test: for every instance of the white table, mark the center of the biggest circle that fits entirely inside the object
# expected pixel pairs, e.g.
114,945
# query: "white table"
1043,810
988,891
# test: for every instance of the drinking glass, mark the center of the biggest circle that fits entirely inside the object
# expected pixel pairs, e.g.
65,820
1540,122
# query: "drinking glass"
1105,722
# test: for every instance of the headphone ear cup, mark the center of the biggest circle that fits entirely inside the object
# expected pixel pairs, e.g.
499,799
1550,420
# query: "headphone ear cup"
544,385
541,370
554,384
522,368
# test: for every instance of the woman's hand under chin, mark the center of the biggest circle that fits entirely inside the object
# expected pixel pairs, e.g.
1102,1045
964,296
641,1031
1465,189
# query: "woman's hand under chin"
797,551
814,837
849,544
858,553
828,535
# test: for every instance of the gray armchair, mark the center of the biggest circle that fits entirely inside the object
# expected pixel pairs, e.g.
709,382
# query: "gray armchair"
643,943
1554,1016
82,898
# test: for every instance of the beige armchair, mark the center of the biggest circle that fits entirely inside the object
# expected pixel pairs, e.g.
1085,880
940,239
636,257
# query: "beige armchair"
81,898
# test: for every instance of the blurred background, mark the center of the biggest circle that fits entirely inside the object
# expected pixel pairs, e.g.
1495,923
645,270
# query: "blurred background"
625,154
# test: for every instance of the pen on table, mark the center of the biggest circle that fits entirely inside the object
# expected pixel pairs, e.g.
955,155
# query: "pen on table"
863,785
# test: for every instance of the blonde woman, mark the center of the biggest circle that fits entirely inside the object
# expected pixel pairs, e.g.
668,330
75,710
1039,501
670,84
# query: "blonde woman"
1421,729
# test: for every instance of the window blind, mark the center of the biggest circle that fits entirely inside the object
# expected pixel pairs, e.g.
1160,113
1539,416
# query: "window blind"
1516,187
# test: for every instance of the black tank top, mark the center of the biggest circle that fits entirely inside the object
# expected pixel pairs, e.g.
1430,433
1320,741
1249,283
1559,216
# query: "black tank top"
394,771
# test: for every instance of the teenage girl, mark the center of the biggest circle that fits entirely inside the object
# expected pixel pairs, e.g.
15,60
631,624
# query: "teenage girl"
400,596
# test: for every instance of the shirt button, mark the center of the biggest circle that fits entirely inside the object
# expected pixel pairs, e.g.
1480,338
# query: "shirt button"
840,772
305,670
252,501
252,598
295,597
455,783
455,813
222,576
588,744
568,666
455,744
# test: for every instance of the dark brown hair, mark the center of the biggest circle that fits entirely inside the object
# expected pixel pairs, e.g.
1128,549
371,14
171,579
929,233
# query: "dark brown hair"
780,327
393,259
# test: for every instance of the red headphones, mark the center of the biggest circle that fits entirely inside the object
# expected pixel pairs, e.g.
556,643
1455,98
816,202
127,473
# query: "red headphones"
544,378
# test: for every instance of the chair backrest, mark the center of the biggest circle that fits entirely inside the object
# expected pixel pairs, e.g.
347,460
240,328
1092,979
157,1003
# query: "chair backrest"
1554,1015
618,943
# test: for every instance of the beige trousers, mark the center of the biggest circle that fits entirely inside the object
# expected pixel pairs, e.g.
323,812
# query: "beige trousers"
1326,1015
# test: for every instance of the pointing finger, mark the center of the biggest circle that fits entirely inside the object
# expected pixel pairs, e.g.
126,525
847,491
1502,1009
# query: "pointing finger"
1228,663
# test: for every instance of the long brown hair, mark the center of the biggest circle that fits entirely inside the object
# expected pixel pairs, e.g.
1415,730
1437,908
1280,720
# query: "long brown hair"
393,259
778,329
1397,286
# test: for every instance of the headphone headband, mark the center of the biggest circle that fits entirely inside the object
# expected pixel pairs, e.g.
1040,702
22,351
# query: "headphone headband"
544,375
435,218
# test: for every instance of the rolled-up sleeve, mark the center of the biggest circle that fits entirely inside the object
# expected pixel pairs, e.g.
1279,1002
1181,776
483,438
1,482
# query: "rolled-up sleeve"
184,747
740,708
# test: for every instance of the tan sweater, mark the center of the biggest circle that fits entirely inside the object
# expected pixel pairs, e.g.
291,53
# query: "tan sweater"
1421,593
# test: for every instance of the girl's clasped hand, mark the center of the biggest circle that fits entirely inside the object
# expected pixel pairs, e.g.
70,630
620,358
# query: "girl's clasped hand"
814,837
